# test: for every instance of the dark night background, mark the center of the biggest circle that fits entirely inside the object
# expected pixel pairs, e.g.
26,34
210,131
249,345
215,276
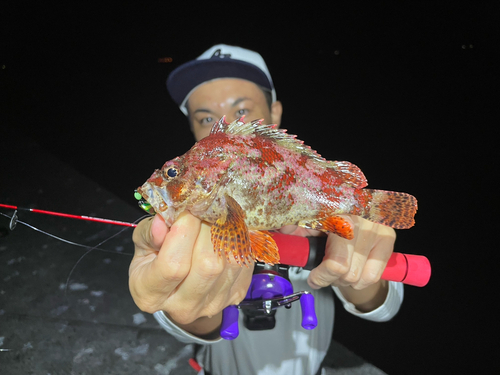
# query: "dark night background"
409,93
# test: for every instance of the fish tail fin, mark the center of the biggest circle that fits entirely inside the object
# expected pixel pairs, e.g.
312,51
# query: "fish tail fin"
391,208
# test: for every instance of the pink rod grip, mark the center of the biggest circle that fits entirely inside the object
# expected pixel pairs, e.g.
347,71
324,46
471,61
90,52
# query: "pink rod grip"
294,250
406,268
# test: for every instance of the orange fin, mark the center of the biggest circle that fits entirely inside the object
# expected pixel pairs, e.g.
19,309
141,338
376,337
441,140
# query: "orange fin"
264,248
391,208
332,224
230,234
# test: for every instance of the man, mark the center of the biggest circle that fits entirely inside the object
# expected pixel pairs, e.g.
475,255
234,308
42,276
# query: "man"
176,275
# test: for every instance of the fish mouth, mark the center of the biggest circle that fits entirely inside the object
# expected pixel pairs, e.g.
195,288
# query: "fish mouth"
155,200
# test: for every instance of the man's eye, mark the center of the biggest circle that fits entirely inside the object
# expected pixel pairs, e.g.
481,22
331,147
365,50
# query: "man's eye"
241,112
207,121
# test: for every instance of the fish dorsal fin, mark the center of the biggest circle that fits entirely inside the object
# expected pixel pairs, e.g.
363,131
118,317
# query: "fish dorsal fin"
351,174
240,127
257,128
219,126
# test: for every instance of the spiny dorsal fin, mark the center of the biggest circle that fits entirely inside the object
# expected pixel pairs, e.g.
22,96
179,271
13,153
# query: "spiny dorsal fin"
240,127
256,128
219,126
351,173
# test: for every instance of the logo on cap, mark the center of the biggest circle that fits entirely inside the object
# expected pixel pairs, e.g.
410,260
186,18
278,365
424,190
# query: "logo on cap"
218,53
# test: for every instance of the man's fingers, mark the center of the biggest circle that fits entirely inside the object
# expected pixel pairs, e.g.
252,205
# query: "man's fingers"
295,230
210,271
141,236
378,257
149,235
207,264
358,262
212,282
289,229
156,271
158,231
335,265
174,259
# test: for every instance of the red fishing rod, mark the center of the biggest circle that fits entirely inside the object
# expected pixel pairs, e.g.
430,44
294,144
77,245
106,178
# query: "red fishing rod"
306,252
79,217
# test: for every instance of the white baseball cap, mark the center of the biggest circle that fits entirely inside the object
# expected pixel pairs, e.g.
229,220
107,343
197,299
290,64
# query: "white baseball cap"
220,61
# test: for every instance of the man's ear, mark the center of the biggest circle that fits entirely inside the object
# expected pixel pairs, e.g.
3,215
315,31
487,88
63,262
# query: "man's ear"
276,111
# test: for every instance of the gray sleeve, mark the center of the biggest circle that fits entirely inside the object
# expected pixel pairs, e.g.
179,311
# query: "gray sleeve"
179,333
386,311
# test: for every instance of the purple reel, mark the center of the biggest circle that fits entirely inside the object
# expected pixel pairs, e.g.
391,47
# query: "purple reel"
266,293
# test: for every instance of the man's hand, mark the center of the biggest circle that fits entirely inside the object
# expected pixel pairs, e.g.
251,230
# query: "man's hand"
176,270
355,266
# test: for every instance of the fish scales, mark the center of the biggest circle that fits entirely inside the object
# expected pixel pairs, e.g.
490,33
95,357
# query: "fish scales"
246,177
268,173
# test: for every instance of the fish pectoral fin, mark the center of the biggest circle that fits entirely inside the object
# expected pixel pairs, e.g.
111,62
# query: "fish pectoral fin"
230,234
264,247
332,224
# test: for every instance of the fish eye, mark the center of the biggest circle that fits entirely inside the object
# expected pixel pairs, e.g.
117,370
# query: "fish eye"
171,172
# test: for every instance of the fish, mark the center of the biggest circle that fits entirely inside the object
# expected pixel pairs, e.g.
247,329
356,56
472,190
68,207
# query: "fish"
247,179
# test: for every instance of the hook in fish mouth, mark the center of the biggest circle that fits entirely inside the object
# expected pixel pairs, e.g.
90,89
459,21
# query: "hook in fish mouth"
143,203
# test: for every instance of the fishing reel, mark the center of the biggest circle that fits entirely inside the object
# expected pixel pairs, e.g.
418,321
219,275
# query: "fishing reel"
271,287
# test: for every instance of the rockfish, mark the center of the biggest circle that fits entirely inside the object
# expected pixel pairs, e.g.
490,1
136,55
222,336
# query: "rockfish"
246,178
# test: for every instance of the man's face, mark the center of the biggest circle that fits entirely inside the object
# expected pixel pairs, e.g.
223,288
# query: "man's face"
230,97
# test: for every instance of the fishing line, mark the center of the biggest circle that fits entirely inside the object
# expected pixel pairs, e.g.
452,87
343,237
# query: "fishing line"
88,251
14,220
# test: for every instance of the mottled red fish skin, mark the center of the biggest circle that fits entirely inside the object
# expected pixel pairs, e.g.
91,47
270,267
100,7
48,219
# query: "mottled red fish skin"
274,177
176,189
156,179
269,152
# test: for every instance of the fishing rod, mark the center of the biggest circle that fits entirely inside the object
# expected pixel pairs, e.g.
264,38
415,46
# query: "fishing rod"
271,287
78,217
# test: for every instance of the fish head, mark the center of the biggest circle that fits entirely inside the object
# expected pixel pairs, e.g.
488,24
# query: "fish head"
185,183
